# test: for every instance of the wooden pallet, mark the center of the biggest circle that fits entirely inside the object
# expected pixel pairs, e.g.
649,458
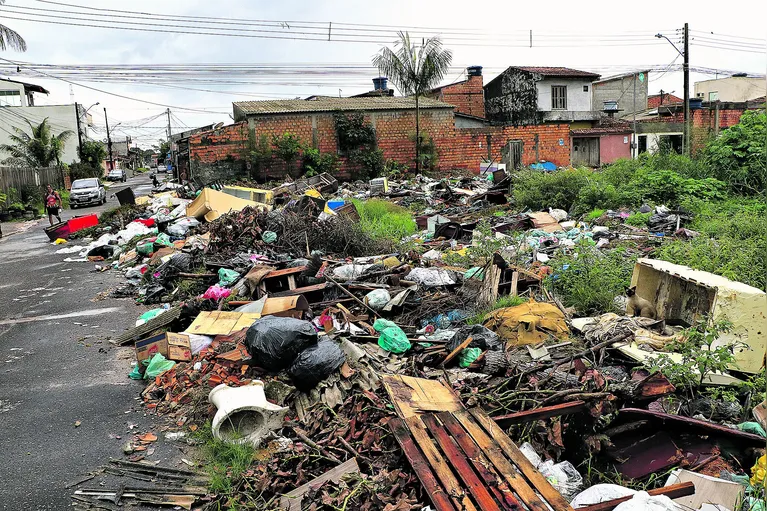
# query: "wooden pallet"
462,457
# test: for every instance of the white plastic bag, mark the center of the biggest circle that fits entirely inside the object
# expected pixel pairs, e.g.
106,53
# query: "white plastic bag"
558,214
642,501
377,299
350,271
431,277
562,476
600,493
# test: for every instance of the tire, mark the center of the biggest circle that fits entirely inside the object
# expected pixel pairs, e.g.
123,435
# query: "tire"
73,206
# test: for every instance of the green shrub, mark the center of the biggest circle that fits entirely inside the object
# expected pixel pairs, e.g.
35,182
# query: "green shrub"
589,280
84,171
536,190
315,162
739,155
370,161
382,219
638,219
597,194
594,214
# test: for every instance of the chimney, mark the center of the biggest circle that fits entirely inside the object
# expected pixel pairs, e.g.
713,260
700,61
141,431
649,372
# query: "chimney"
380,83
474,71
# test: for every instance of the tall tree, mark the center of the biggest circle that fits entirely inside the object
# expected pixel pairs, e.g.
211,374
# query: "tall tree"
11,38
38,149
415,70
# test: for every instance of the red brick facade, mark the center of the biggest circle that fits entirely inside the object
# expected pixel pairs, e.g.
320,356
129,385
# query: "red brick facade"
458,148
467,96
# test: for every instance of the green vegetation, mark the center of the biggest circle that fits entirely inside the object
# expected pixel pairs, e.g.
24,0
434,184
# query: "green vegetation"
84,171
38,148
638,219
589,279
357,140
92,154
738,156
381,219
502,303
225,462
594,214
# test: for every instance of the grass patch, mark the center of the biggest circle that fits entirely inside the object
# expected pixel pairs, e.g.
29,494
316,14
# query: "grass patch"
502,303
224,462
594,214
383,220
638,219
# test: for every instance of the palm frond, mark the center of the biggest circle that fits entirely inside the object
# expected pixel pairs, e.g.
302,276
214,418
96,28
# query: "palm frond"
414,70
11,38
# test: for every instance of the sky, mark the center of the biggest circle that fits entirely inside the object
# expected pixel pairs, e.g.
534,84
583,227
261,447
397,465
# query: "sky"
605,37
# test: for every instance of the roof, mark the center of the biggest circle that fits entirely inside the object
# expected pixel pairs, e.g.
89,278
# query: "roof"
621,76
29,87
437,89
557,71
605,126
324,104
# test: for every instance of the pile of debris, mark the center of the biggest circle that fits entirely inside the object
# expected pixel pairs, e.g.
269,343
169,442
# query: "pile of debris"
371,376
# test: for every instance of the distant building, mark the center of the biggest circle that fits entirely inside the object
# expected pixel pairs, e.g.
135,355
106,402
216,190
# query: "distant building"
529,95
468,95
663,98
733,88
624,94
608,140
17,106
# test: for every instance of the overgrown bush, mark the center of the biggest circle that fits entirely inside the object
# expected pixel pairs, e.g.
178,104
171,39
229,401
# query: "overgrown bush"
535,189
739,155
589,279
84,171
370,161
314,162
382,219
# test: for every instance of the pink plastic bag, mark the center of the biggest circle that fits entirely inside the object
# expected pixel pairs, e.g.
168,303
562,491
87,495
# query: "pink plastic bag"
216,293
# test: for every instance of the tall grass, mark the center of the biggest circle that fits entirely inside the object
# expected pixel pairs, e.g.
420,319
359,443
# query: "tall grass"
384,220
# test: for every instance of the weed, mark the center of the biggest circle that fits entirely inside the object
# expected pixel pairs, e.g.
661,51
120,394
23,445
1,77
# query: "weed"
502,303
383,220
638,219
225,461
594,214
589,280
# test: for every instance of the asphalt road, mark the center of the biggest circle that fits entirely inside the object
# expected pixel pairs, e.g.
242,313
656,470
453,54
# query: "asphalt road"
57,369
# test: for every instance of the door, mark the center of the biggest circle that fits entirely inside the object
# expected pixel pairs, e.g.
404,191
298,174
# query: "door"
511,155
586,151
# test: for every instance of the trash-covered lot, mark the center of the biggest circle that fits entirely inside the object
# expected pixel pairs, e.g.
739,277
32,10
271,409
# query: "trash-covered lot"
424,343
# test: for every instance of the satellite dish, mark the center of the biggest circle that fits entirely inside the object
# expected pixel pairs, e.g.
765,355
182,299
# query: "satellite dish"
218,125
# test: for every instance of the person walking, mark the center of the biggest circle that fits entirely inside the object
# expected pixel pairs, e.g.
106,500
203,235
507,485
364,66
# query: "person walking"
53,204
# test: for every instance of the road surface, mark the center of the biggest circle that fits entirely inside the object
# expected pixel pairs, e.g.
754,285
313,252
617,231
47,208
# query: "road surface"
57,370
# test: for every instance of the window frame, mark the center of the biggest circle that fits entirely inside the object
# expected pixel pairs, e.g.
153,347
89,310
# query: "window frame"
557,99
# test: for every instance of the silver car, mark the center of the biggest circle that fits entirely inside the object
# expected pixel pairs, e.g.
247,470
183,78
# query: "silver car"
87,191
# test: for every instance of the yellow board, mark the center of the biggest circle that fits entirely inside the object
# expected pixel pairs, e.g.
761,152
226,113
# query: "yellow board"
412,396
221,323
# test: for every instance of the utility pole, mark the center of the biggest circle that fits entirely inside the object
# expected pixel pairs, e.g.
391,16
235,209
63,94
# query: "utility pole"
79,133
109,142
634,144
686,142
170,143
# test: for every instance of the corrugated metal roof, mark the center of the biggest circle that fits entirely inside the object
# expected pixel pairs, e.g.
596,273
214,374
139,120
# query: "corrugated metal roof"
324,104
557,71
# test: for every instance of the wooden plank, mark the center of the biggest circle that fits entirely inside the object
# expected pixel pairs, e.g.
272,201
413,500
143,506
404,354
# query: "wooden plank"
508,471
421,467
514,283
438,464
673,492
478,490
457,350
292,500
221,323
414,395
552,496
494,482
544,412
284,272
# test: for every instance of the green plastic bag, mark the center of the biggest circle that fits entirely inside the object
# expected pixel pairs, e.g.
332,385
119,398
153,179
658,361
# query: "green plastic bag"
468,356
477,273
149,315
136,373
163,240
157,365
392,337
227,277
269,236
752,427
145,247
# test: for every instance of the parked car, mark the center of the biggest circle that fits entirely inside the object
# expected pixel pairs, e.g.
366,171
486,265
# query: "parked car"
117,175
87,191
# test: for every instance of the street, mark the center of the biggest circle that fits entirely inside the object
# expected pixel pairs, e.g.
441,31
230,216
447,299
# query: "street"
63,388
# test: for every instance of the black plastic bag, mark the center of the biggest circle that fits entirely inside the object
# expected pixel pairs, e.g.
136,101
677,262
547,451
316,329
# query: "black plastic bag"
105,251
482,338
273,343
316,363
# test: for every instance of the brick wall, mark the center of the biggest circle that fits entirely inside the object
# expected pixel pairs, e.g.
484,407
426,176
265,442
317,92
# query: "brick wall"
215,153
467,96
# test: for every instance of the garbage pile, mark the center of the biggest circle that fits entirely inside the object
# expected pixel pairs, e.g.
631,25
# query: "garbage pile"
400,374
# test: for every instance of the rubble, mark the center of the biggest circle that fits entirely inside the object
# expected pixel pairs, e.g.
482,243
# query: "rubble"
401,373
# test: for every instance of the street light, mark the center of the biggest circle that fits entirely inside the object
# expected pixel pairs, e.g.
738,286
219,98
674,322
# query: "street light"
685,54
79,129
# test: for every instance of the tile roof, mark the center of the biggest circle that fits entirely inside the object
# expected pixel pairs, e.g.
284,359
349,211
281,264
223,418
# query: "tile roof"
605,125
557,71
326,104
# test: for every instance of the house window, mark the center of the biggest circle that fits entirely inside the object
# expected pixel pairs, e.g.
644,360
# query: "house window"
559,97
713,96
585,88
10,98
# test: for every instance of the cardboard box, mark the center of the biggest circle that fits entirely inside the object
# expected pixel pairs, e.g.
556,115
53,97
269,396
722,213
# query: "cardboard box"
170,345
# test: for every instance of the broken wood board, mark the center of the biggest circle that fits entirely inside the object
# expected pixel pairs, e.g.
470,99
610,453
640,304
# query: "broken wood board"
221,323
411,396
291,501
142,331
545,222
463,459
544,412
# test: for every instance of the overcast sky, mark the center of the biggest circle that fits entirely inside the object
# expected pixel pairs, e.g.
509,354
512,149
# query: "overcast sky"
614,37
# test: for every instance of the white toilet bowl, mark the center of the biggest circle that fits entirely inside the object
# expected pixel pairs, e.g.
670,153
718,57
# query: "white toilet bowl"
244,415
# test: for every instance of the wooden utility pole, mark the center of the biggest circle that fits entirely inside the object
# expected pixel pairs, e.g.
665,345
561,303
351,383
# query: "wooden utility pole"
109,142
686,142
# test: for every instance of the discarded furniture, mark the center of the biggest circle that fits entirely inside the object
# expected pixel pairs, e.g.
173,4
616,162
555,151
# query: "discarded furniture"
211,204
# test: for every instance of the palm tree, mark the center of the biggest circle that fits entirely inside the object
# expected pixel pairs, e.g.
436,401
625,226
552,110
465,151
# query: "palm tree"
11,38
38,150
415,71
